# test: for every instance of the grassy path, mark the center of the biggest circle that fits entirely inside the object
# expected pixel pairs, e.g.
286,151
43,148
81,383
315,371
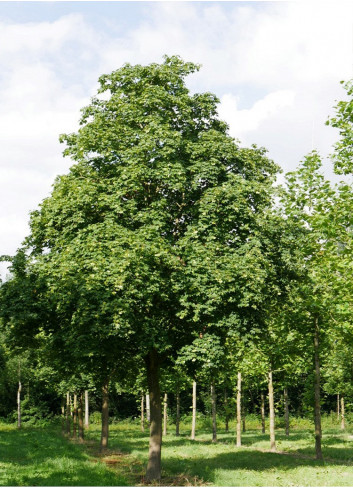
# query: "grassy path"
42,457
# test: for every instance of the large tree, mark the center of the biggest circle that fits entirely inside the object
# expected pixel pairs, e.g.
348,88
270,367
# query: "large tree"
154,234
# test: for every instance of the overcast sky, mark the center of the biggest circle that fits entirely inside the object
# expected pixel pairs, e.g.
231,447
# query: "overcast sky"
276,67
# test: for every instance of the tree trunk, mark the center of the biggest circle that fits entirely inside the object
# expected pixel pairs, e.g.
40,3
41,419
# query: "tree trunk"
165,407
338,407
19,404
80,418
214,415
86,410
142,412
153,471
317,410
177,422
63,415
193,423
148,411
342,413
74,427
286,410
226,409
105,416
272,412
68,415
263,412
244,419
239,410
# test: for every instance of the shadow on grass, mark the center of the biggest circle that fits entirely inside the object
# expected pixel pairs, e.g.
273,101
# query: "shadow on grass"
37,456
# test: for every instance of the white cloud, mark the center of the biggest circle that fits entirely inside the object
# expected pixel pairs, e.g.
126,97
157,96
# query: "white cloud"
245,121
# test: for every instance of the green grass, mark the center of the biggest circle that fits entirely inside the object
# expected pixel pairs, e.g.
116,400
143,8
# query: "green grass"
42,457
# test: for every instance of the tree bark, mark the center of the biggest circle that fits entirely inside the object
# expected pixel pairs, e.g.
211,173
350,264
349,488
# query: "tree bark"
244,419
286,410
63,415
86,410
263,425
342,413
272,412
226,409
19,404
74,425
193,423
142,412
105,416
165,407
214,415
153,471
148,411
68,415
177,422
338,407
80,418
239,410
317,409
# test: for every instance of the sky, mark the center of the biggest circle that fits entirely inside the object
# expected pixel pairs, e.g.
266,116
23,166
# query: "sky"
275,66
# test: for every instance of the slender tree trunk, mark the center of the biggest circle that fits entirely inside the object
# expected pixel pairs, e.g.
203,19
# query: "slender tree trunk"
105,416
80,418
286,410
263,425
165,407
148,411
193,423
86,410
244,419
239,410
19,404
338,407
63,415
226,409
214,411
342,413
153,471
68,415
74,427
142,412
272,412
177,422
317,410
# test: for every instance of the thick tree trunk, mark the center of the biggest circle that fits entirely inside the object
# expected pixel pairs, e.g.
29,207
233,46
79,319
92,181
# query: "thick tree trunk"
177,422
226,409
165,407
317,409
286,410
86,410
272,412
193,422
153,471
19,404
239,410
68,415
105,416
214,410
80,418
148,411
74,427
342,413
142,412
263,425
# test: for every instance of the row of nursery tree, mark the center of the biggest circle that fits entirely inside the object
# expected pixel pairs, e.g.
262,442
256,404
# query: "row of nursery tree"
168,259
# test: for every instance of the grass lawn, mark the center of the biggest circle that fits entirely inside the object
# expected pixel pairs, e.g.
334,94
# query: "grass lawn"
41,456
